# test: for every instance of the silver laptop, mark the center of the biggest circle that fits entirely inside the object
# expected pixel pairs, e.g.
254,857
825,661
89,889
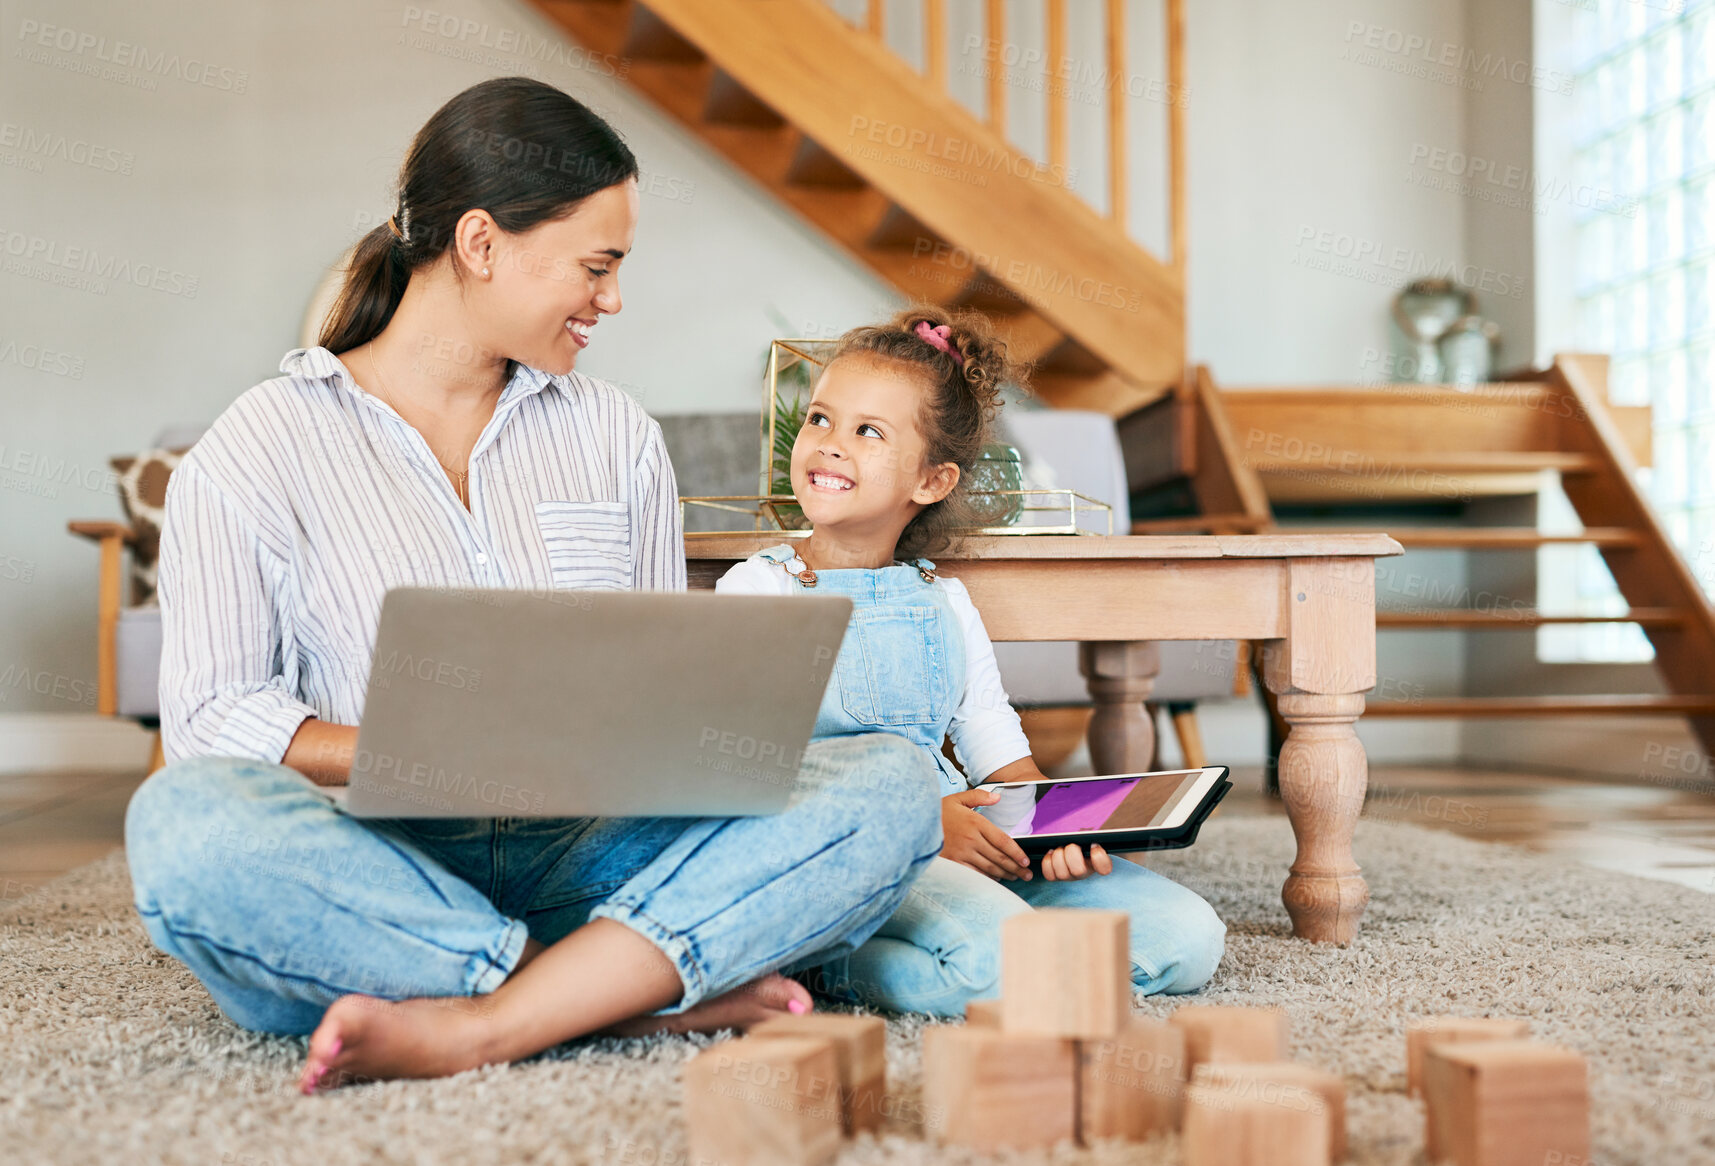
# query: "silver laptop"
493,703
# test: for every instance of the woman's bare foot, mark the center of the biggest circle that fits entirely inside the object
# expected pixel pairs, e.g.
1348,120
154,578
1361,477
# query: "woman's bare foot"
361,1037
752,1003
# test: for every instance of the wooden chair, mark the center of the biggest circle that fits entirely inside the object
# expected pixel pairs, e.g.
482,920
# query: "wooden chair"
127,623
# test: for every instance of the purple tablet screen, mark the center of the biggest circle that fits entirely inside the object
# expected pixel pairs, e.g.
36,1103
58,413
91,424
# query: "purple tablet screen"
1126,802
1079,805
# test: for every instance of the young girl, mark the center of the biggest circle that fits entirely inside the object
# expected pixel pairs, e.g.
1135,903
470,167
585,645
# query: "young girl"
880,467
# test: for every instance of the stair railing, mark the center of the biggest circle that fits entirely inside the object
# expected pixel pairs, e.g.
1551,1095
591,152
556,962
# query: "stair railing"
1054,63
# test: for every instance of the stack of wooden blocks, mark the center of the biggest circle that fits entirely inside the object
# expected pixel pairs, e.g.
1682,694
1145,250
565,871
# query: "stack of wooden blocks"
1248,1105
1061,1057
1492,1097
787,1092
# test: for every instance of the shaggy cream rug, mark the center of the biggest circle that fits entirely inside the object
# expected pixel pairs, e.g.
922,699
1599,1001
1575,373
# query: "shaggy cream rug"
110,1052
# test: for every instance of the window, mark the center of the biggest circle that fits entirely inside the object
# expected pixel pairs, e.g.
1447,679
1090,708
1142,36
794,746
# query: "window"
1629,254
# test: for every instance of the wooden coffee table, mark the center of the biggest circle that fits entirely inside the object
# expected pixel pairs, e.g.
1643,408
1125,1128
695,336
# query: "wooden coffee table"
1310,599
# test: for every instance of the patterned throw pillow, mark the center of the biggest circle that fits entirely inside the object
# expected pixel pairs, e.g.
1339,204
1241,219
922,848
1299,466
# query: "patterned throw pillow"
143,493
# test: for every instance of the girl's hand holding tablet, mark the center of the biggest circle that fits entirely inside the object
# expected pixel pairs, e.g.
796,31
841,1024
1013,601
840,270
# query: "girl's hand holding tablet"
972,840
1067,863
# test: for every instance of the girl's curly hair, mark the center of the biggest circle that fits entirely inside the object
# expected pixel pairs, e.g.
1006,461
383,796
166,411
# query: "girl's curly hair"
959,409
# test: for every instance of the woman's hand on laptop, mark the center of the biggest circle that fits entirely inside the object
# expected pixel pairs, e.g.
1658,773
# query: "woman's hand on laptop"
972,840
1067,863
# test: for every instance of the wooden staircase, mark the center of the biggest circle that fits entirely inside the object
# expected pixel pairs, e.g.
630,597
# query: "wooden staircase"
941,205
1232,456
911,183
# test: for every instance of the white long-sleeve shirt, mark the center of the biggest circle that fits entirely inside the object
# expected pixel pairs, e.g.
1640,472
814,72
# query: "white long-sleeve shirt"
985,730
309,498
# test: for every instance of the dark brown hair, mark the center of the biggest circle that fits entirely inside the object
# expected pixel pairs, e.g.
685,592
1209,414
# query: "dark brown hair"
958,410
517,148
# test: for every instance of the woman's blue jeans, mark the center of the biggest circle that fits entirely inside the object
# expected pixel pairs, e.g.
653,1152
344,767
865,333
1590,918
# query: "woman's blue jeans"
281,903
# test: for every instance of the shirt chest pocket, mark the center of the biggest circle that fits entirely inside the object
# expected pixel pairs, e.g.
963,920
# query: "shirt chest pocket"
892,668
588,543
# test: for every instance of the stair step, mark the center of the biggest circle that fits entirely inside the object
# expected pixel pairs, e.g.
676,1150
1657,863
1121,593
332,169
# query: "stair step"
900,230
763,153
987,294
1656,617
1622,704
1029,336
731,104
1487,538
918,278
652,39
601,27
815,165
680,85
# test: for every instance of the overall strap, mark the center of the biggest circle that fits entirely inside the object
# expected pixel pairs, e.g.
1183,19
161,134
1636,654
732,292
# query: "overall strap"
782,557
925,568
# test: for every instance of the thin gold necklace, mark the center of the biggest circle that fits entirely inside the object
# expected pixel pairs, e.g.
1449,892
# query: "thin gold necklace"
460,480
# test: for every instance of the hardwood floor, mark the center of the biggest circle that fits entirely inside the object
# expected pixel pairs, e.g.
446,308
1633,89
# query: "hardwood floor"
1655,831
53,822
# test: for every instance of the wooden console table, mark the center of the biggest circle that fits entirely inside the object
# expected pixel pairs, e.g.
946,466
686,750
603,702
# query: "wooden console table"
1309,598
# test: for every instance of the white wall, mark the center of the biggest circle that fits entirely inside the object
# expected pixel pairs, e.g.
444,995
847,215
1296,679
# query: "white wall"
251,195
1297,161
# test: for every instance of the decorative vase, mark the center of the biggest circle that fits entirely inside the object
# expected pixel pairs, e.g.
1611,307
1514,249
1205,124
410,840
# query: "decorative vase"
999,467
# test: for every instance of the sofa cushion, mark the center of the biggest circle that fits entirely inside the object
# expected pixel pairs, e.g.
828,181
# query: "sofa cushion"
139,661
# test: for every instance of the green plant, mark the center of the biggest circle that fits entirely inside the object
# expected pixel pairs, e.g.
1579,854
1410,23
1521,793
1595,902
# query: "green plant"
791,396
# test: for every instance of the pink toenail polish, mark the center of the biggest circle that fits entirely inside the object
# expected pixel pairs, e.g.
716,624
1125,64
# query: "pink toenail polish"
796,1007
338,1044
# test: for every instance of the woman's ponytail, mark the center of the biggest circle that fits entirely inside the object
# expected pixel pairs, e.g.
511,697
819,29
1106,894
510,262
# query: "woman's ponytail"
375,280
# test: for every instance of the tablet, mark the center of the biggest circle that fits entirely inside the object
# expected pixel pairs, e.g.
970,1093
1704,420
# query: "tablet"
1125,811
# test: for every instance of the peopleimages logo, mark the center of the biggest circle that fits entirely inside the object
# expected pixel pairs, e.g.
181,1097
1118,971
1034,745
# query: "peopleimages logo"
1374,261
84,267
981,158
34,143
1419,54
126,55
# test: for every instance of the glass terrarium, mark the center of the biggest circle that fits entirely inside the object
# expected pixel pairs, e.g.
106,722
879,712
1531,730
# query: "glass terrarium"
999,500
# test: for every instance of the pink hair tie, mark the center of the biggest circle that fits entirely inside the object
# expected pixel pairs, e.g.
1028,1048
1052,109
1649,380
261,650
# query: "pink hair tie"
940,336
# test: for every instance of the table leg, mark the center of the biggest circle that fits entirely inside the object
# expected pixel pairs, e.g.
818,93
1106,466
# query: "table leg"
1320,671
1120,675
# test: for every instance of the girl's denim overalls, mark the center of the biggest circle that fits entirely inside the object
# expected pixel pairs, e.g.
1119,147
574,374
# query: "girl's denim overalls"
901,669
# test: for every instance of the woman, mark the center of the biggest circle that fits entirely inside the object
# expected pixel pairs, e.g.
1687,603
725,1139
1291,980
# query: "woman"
439,437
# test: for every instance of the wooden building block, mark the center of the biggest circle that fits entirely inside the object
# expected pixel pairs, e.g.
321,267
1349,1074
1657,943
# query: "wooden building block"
1263,1077
990,1089
1066,972
1132,1085
1218,1033
860,1048
984,1013
1438,1029
764,1102
1505,1103
1284,1126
